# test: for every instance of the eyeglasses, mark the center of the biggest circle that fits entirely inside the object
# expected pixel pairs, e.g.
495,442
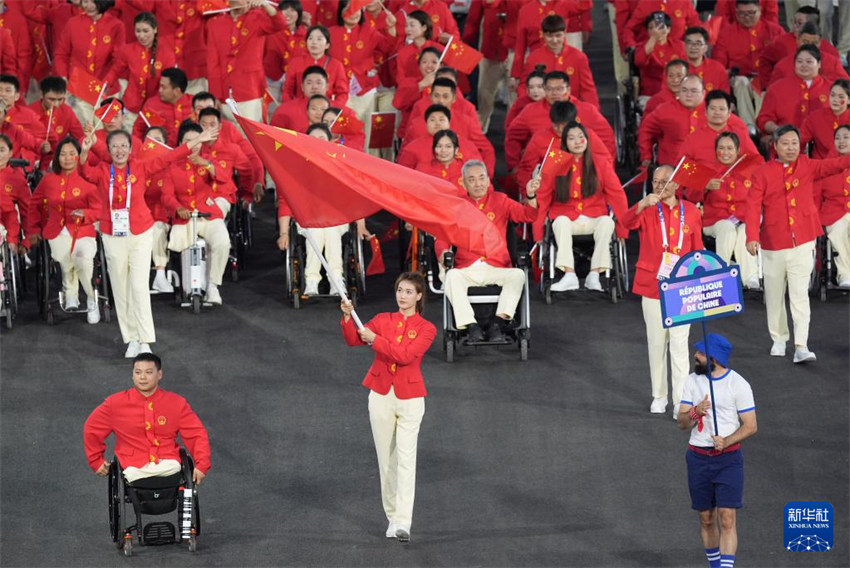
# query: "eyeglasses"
657,182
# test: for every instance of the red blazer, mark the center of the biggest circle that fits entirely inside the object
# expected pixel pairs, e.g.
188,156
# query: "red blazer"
648,226
359,50
55,198
167,115
453,174
669,125
491,44
830,69
227,158
713,74
399,346
819,127
789,101
499,209
140,171
9,218
609,192
99,153
419,153
572,62
24,144
529,36
726,9
190,186
291,114
153,197
188,28
65,123
89,44
699,144
127,414
230,135
281,48
665,95
520,103
536,148
133,62
682,15
728,201
8,54
442,19
13,20
782,213
337,78
235,53
651,66
15,190
832,197
407,58
784,45
742,47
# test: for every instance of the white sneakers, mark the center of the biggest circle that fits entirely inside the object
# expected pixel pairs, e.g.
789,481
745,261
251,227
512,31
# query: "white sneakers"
93,311
569,281
778,349
145,348
213,296
161,283
844,283
391,528
659,405
72,303
592,281
676,411
132,350
311,288
754,283
803,355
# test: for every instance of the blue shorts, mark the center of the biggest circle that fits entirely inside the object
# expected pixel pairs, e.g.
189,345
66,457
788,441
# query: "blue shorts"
715,481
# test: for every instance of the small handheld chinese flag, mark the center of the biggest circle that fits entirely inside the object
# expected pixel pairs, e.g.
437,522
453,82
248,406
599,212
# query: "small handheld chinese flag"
383,130
391,232
108,112
695,174
376,265
153,148
347,123
84,85
205,6
461,56
152,118
556,163
748,164
355,6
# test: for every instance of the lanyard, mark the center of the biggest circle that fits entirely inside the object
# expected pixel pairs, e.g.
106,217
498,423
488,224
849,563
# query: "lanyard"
112,185
664,226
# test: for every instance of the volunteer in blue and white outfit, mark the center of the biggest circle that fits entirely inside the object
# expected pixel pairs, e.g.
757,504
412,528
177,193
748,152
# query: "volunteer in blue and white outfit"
715,462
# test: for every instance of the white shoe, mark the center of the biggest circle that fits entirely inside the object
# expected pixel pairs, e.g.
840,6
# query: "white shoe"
778,349
569,281
213,296
161,284
592,281
93,314
132,350
675,412
754,283
72,303
312,288
402,533
145,348
844,283
803,355
658,406
391,528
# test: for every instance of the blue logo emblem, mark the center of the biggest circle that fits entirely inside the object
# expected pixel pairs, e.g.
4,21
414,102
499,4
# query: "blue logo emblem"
808,526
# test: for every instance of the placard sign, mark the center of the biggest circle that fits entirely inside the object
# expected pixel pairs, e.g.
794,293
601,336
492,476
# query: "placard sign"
701,287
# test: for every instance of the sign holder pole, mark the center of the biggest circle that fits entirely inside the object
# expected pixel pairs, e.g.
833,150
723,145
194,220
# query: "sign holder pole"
710,380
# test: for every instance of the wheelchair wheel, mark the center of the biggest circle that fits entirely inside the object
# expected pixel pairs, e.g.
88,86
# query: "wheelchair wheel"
523,349
450,351
196,304
115,502
547,292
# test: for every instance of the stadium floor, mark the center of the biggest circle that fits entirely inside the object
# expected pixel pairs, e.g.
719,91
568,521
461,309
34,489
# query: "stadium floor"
551,462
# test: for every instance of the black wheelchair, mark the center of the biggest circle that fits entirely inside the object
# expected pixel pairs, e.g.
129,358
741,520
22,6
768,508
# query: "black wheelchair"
616,280
416,250
825,276
48,284
354,267
484,300
627,119
156,496
241,229
9,284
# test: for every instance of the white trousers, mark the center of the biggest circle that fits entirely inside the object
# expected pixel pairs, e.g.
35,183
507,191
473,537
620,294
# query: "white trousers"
214,232
458,281
363,106
162,469
749,102
129,262
788,268
733,240
621,66
328,239
395,429
252,110
78,266
602,228
491,74
839,236
658,340
197,85
159,251
574,40
224,205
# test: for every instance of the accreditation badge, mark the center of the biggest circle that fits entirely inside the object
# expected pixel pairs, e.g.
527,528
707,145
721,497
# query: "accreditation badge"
120,222
668,261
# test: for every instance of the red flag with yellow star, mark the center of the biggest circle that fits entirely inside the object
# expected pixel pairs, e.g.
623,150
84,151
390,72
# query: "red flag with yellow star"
383,130
107,112
347,123
84,85
376,265
355,6
326,185
695,174
556,163
152,148
212,5
461,56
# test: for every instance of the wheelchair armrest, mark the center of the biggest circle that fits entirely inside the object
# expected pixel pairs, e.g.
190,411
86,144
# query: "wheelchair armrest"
449,259
522,255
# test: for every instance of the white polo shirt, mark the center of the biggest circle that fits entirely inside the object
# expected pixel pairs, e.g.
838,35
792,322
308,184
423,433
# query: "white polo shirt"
732,396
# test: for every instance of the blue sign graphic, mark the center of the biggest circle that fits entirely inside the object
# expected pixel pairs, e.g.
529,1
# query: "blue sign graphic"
701,287
808,526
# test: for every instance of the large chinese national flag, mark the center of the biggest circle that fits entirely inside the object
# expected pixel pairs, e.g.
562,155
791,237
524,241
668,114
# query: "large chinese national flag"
84,85
461,56
327,185
695,174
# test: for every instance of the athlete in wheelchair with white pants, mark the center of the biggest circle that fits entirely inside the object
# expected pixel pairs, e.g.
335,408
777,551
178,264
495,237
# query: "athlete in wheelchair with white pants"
472,270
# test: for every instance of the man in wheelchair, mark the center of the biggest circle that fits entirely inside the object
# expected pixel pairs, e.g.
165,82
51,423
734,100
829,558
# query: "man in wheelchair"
146,421
473,270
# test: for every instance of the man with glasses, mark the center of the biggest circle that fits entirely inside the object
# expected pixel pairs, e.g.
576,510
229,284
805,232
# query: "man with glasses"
668,229
535,117
670,124
712,73
739,48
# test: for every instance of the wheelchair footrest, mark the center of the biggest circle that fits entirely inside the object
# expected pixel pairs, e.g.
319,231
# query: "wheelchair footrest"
159,533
